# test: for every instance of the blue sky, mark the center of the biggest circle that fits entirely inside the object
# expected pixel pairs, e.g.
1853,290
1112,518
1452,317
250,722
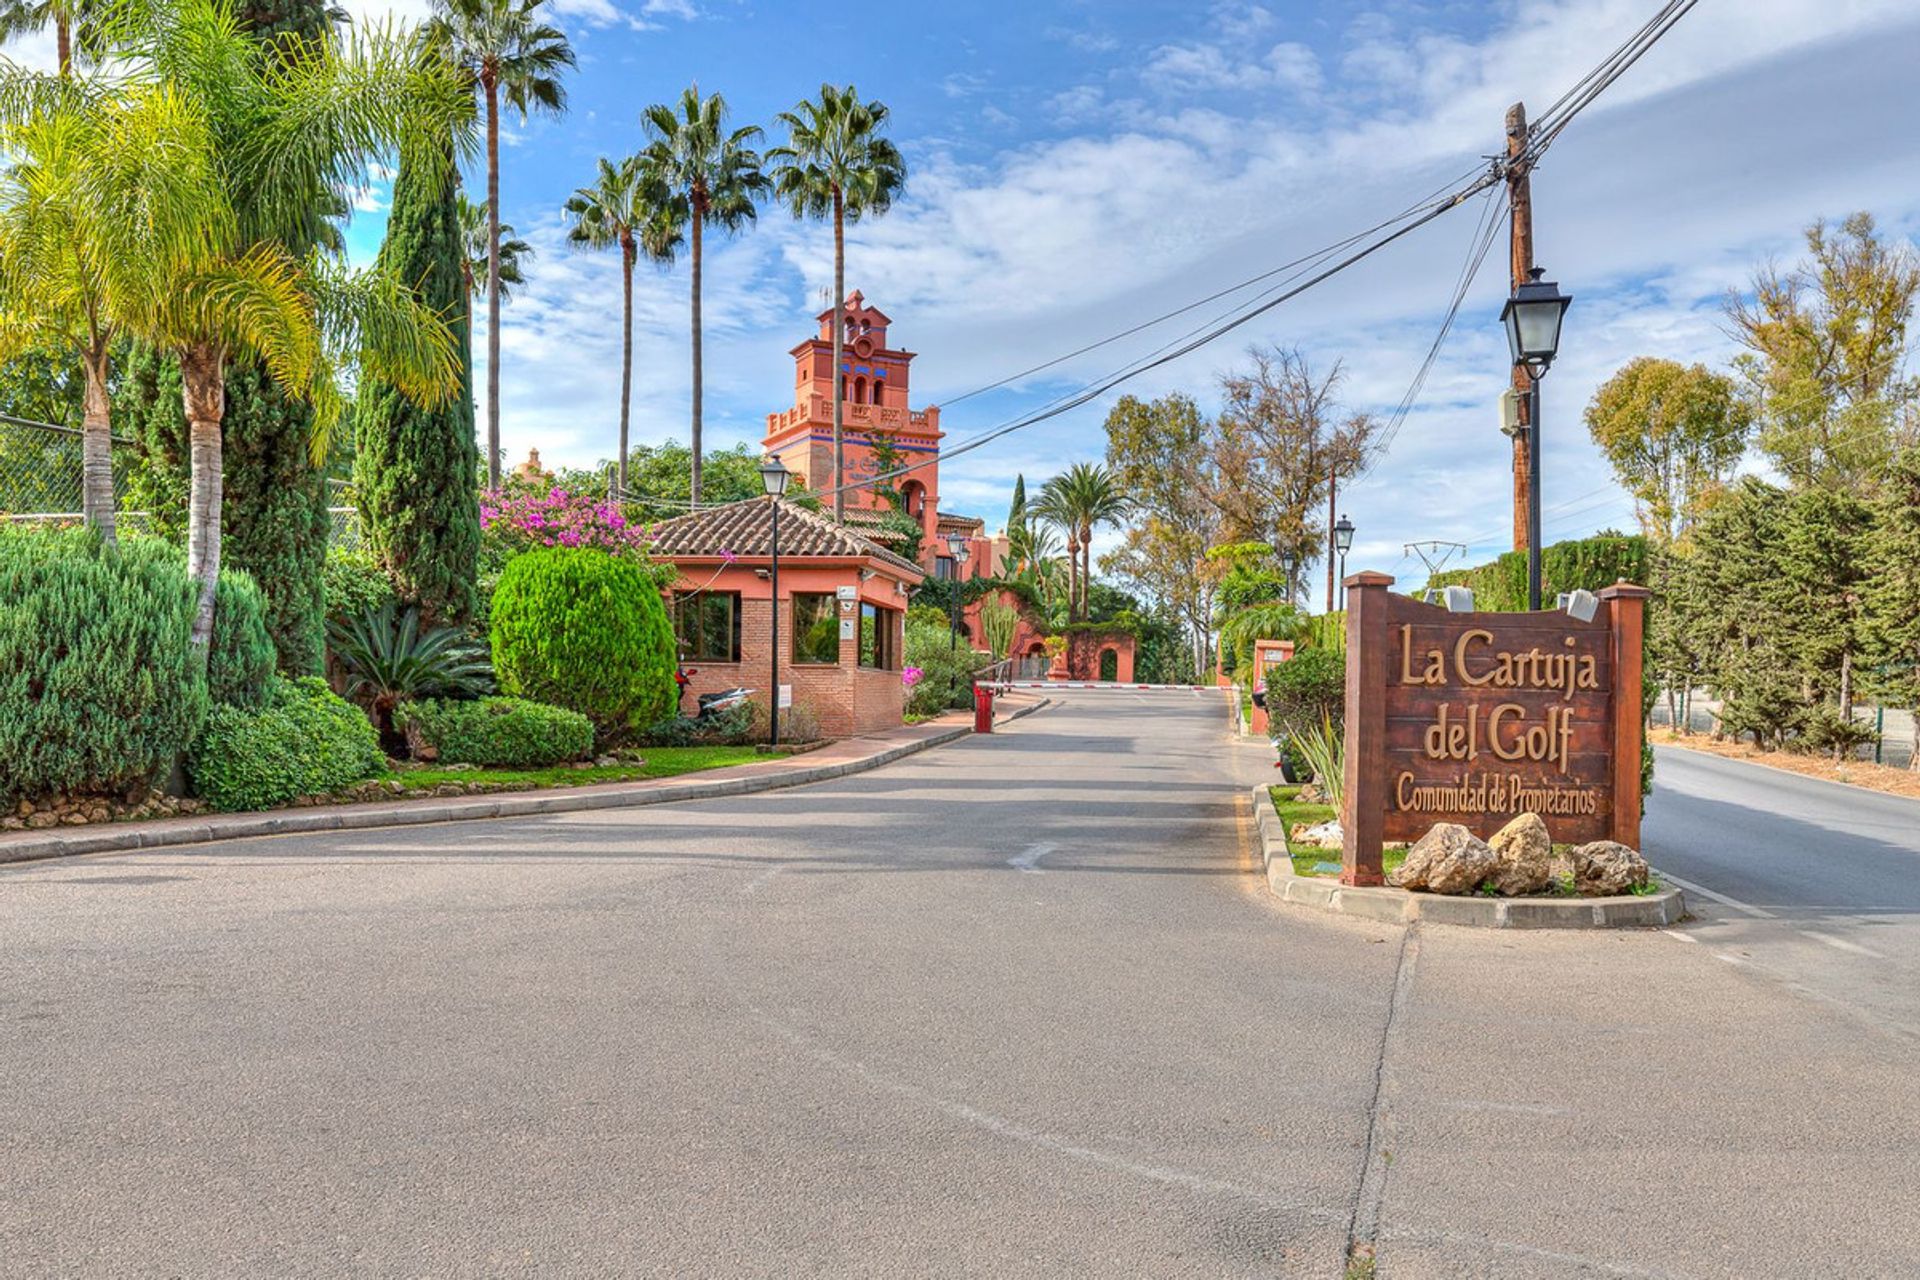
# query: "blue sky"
1079,165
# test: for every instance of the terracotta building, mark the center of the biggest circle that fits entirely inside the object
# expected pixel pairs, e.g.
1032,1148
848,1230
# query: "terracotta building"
842,609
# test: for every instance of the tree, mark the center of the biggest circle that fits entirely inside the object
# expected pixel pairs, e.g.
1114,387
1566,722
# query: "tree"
475,235
100,203
281,125
414,464
1672,432
1079,500
628,207
718,176
1826,345
836,165
1164,453
505,51
1892,587
1285,441
68,18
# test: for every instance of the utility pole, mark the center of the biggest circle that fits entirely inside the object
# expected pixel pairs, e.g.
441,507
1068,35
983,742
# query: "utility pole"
1520,206
1333,481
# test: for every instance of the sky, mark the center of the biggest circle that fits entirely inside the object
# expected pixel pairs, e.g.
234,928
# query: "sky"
1078,166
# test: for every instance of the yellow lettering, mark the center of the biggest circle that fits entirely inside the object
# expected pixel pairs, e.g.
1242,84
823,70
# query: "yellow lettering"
1460,655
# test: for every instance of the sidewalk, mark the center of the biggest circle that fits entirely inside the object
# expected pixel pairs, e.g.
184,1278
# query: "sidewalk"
836,760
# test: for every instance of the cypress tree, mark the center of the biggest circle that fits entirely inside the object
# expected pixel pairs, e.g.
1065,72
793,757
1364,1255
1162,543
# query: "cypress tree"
414,467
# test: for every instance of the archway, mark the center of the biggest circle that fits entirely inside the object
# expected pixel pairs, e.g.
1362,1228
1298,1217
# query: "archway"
1109,664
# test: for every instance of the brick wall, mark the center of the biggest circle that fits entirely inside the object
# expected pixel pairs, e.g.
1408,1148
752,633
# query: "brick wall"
845,698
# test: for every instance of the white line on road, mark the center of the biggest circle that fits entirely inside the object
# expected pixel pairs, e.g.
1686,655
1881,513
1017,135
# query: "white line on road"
1026,861
1759,913
1841,944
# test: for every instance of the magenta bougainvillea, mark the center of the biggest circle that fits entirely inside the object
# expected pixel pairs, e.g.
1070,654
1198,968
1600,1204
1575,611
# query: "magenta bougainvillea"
519,519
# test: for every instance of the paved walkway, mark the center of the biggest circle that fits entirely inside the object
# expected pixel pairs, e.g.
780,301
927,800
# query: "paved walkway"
1017,1006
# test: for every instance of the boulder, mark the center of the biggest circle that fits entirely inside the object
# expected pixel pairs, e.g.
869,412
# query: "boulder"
1448,859
1604,869
1525,853
1323,835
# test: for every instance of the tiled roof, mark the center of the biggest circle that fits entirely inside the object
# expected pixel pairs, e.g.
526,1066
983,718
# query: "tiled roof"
746,529
958,523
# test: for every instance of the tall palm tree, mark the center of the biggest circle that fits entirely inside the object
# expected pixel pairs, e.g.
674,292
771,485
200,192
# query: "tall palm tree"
101,201
68,18
717,173
630,208
475,238
506,51
282,124
837,165
1079,500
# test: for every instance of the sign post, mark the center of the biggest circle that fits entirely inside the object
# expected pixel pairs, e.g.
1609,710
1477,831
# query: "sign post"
1476,718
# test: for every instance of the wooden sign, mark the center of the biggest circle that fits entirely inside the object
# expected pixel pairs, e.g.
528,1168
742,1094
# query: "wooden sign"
1476,718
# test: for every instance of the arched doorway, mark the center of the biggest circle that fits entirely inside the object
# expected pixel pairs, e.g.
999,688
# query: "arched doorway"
1109,665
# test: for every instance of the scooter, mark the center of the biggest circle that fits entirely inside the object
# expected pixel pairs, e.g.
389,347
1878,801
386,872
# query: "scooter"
713,704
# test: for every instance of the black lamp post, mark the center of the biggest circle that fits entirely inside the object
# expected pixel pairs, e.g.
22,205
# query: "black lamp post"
958,549
1289,561
1343,543
774,478
1532,317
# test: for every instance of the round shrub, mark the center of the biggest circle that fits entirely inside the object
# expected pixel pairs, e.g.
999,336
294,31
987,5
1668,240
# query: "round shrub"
586,630
99,688
1306,690
240,654
306,739
509,732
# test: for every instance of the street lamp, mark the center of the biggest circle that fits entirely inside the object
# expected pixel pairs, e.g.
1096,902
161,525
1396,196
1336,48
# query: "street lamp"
774,478
1289,561
1343,543
958,548
1532,317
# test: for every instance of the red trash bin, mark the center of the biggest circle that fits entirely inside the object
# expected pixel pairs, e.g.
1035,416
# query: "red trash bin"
982,708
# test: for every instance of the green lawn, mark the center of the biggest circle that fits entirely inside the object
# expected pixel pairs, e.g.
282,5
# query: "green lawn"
1306,859
659,762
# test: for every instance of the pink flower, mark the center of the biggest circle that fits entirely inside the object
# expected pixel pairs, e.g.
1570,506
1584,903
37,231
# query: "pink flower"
910,676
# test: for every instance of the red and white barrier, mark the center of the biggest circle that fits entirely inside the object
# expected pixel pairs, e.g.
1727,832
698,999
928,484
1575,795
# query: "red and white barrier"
1096,684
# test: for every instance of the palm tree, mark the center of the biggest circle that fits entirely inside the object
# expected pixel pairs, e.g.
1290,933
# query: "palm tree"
630,207
102,200
718,175
474,236
505,51
1079,500
836,165
66,17
280,125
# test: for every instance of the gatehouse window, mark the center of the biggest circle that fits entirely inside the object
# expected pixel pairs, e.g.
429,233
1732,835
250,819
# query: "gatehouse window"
816,630
707,625
879,637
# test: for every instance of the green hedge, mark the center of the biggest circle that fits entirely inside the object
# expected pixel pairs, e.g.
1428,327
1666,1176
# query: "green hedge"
355,584
497,731
306,739
99,689
241,653
1500,586
586,630
946,670
1305,689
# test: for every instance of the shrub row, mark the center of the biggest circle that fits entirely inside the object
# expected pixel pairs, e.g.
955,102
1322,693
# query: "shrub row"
507,732
305,739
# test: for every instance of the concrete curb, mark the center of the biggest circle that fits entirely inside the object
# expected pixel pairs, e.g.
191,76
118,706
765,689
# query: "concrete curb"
203,829
1397,906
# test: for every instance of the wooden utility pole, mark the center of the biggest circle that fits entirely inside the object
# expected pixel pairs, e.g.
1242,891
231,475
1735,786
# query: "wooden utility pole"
1520,205
1333,484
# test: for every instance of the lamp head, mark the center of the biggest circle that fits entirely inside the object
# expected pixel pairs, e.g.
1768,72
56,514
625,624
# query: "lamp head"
1343,536
1532,318
774,477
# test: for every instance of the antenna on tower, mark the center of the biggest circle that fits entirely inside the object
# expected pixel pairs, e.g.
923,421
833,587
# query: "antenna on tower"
1434,554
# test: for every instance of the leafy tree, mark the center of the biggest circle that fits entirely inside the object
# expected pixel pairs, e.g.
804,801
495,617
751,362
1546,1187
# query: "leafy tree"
629,208
1672,433
836,165
659,478
1892,586
505,51
414,463
716,174
1826,345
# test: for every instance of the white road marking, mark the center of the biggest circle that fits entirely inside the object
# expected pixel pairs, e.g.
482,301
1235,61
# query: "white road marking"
1026,861
1841,944
1759,913
753,885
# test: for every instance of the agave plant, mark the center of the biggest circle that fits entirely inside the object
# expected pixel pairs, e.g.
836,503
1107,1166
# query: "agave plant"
388,658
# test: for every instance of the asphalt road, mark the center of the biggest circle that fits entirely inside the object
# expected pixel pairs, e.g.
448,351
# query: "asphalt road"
1018,1006
1810,882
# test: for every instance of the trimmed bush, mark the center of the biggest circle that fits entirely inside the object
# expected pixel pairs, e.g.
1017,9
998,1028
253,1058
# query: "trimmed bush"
497,731
99,689
586,630
241,654
946,670
306,739
1305,690
356,585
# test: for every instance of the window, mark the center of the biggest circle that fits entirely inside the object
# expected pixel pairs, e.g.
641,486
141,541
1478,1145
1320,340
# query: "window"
943,566
707,626
816,629
879,637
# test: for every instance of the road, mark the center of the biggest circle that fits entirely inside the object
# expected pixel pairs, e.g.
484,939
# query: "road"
1813,883
1018,1006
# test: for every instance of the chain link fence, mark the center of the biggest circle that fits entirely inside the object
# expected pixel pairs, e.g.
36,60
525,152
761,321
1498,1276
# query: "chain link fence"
40,481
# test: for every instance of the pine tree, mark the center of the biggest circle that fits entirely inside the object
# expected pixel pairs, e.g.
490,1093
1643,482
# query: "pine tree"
414,468
1892,596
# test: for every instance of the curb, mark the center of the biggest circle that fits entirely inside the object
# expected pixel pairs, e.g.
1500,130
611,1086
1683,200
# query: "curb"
1397,906
126,837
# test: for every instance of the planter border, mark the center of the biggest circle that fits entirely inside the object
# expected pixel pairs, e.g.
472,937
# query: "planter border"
122,837
1399,906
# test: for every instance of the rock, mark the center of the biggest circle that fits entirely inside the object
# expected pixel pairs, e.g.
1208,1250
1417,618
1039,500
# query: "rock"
41,821
605,762
11,823
1310,793
1323,835
74,820
459,766
1605,869
1448,859
1525,851
100,813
